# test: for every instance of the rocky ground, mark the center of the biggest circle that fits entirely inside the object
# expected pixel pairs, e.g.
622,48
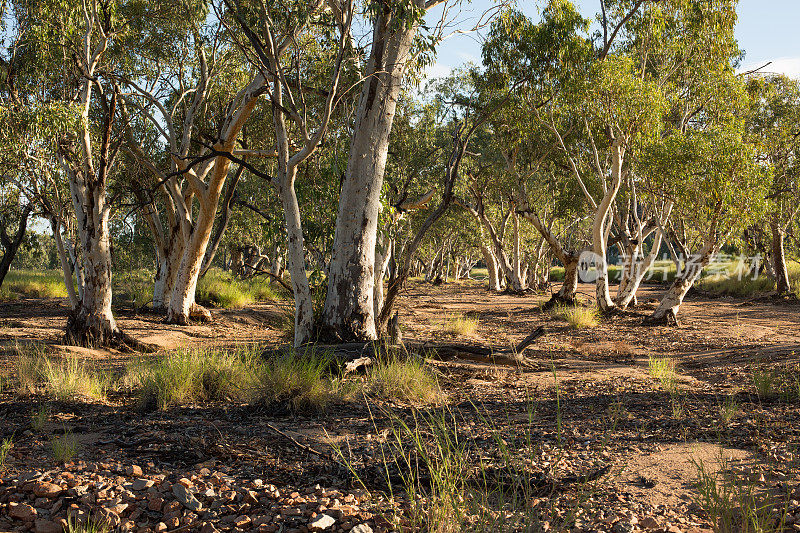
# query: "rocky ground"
585,439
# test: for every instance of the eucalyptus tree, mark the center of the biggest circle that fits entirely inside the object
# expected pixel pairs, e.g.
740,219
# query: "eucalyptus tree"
349,310
773,126
286,46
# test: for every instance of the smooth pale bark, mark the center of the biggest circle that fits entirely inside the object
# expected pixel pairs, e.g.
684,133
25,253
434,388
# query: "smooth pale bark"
92,322
66,271
303,303
635,272
600,229
667,310
782,284
182,303
349,311
383,255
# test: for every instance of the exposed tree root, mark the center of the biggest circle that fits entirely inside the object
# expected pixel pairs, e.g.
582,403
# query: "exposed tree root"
92,331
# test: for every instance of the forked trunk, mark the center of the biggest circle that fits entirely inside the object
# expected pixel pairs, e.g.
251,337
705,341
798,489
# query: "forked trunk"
635,273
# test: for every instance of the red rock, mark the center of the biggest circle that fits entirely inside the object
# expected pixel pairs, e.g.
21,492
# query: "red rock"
155,504
44,489
22,511
46,526
243,521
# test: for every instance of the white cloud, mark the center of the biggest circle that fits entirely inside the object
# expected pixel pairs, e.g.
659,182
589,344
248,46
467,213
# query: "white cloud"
789,66
437,70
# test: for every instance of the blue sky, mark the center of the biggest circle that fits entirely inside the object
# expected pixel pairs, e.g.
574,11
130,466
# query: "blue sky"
767,31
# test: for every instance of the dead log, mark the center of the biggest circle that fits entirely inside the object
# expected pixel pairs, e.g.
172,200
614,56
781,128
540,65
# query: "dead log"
482,354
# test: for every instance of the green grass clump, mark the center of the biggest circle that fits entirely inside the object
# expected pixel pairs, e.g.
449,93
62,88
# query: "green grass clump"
301,381
663,369
64,447
406,380
61,378
458,324
577,317
193,375
35,284
5,448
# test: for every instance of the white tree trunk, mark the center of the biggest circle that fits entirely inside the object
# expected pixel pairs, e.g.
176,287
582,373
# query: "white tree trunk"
303,303
349,309
62,258
383,255
667,310
599,228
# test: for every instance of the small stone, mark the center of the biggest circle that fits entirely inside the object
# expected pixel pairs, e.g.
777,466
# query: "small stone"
361,528
47,490
208,527
243,521
155,504
186,498
135,470
322,522
649,522
22,511
46,526
161,526
141,484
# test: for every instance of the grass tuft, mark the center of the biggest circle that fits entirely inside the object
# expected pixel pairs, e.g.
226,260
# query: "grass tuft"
193,375
406,380
299,382
663,369
64,447
5,448
459,324
61,378
577,317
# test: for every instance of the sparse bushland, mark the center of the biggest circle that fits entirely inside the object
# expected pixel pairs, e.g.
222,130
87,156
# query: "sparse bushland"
726,285
134,287
221,289
459,324
33,284
61,378
576,316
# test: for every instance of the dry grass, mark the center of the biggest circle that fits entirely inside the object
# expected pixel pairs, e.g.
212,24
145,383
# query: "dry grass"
60,378
577,317
406,380
459,325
